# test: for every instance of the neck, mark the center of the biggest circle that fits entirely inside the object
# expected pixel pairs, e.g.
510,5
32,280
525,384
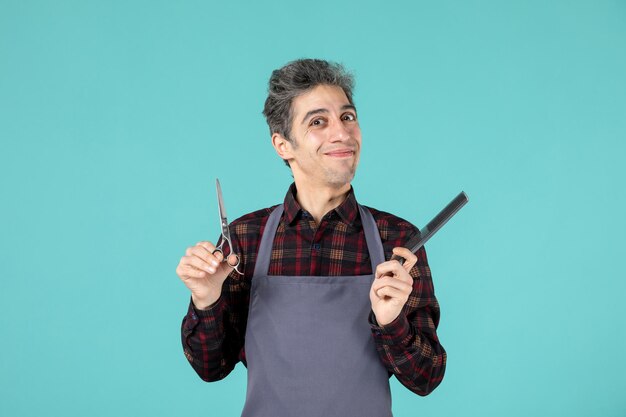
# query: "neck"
319,200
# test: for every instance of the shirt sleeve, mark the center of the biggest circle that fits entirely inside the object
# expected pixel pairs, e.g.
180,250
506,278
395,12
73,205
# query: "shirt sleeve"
409,347
213,339
205,344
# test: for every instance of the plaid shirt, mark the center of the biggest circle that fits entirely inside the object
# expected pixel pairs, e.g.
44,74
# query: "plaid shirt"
213,339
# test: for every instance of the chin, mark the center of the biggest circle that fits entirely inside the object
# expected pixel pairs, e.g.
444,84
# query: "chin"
339,180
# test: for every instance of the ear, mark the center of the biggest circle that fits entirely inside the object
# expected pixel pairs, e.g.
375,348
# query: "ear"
282,146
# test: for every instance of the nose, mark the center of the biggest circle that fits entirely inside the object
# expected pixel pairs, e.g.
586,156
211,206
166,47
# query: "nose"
339,131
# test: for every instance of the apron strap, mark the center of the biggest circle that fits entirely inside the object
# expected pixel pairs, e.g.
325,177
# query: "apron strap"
372,238
263,257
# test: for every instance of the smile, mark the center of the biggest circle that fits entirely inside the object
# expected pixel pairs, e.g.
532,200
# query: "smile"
346,153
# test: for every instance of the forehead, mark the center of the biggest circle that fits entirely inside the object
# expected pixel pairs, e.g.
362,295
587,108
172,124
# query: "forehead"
327,97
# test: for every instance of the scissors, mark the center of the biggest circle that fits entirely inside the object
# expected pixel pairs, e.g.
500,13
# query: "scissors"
225,238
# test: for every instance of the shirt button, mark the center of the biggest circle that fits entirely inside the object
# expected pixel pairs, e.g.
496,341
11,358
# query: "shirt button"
194,316
316,246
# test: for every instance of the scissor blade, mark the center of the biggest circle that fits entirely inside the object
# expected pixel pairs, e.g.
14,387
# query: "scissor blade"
220,201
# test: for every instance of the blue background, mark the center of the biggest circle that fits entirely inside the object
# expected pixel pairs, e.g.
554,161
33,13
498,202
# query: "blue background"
116,117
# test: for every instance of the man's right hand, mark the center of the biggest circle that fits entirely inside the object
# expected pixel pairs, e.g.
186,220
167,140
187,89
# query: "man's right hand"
203,273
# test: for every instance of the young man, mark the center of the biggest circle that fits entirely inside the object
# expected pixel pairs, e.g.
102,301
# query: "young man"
319,317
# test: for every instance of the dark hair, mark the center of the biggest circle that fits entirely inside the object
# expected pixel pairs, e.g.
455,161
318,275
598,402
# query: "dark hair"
294,79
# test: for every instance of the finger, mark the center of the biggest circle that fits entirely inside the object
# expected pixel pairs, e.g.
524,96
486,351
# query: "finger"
410,257
211,249
200,264
219,255
197,250
203,253
187,272
393,282
233,260
389,267
396,295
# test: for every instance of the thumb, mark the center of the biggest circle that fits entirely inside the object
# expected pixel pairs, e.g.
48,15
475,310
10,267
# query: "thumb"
410,259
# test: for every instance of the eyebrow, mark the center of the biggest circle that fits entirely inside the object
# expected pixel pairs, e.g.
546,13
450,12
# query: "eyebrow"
318,111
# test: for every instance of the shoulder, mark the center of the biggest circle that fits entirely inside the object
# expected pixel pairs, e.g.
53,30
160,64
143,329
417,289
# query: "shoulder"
395,232
252,222
392,227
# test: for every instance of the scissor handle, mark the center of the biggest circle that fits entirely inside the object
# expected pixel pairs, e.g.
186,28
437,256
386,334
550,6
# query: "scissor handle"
236,263
225,259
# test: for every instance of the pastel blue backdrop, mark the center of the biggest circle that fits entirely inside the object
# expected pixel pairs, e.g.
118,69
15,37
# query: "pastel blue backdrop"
116,117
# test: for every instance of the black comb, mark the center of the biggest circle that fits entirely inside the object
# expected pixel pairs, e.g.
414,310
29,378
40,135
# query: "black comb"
420,238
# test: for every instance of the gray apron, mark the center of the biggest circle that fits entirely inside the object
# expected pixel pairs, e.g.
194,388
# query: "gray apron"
309,346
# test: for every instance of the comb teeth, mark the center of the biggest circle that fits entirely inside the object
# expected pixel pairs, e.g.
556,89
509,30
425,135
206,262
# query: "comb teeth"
420,238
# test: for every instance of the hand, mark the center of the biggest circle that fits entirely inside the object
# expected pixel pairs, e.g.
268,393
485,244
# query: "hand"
204,273
392,286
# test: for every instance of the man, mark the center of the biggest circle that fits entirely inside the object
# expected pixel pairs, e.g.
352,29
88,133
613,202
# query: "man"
319,317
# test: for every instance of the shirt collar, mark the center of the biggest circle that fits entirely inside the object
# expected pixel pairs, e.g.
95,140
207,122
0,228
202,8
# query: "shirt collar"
347,211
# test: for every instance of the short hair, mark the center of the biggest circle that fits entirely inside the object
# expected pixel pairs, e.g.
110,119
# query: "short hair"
294,79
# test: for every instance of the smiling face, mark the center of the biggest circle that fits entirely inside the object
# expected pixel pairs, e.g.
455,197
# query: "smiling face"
326,138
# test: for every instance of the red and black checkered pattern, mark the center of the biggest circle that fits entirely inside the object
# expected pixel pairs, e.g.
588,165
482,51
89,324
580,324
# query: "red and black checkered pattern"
213,339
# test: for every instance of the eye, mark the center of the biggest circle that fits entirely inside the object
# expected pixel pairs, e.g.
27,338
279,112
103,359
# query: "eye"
348,117
317,122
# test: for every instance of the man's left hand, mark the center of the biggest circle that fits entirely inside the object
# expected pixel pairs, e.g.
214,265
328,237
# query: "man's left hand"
392,286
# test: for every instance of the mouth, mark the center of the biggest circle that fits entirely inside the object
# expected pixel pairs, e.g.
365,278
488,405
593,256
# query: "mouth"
340,153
